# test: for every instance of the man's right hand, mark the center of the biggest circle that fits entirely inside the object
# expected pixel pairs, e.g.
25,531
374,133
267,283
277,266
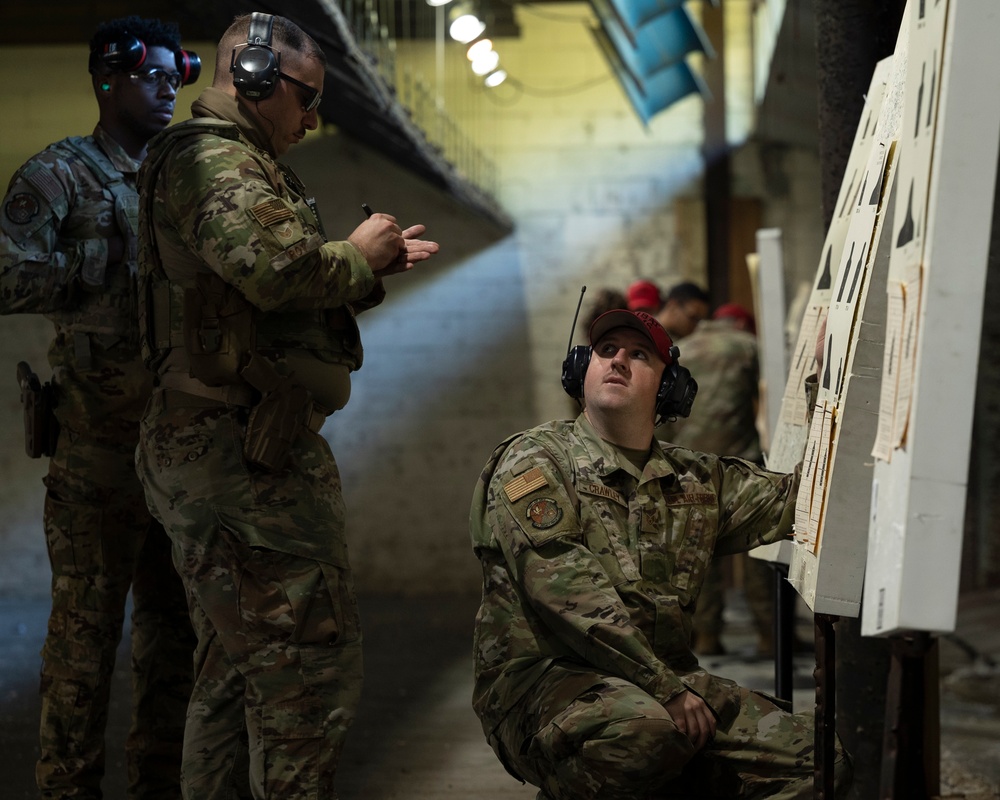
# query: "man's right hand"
693,718
380,241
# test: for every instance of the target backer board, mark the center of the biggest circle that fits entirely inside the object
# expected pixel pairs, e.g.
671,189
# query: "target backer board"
792,433
940,241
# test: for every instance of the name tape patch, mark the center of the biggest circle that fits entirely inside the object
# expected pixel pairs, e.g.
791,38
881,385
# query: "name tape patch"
600,490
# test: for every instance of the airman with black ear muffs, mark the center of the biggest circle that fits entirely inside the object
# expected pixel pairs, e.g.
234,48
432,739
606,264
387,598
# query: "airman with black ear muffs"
677,389
68,250
594,540
249,327
129,54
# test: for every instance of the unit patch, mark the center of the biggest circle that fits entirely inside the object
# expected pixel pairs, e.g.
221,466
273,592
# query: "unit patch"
524,484
22,208
544,512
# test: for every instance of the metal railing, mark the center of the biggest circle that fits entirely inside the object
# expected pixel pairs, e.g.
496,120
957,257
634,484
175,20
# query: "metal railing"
377,24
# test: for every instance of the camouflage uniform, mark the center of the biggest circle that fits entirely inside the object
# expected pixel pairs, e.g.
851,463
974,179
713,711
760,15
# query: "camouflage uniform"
591,568
723,359
263,553
57,218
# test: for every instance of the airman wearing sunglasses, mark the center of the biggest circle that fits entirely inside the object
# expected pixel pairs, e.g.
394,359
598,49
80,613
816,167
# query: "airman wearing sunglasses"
250,328
68,250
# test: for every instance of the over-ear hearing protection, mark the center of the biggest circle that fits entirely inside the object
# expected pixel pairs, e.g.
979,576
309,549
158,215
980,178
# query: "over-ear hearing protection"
130,53
674,398
188,65
123,56
255,67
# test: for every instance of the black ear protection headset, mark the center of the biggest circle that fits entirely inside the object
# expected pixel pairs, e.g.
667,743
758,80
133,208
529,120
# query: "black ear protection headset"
674,398
255,67
129,54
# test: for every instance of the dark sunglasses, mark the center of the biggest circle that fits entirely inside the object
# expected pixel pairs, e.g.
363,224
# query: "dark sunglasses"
312,95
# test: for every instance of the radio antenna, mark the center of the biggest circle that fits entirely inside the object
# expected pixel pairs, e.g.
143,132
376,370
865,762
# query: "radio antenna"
569,344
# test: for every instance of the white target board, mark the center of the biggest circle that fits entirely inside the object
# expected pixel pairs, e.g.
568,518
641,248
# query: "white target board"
792,433
937,274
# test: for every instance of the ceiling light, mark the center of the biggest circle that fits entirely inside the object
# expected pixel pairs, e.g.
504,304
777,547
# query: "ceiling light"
478,48
495,78
465,25
486,63
435,3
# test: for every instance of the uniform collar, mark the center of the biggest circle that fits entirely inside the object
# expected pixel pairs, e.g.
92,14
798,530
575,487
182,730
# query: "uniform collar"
606,458
121,160
217,104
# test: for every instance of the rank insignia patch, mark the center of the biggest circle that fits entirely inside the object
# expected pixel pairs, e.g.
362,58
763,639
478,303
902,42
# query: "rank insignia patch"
22,208
544,512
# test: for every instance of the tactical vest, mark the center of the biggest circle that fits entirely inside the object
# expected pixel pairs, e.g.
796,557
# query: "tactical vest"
218,328
109,309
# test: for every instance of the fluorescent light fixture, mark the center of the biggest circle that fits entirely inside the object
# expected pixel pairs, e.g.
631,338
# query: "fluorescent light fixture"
435,3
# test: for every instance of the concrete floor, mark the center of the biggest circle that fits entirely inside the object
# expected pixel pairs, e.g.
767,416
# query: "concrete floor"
417,737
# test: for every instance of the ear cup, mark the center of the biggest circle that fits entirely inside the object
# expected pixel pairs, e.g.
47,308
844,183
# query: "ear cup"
255,67
574,370
123,56
676,394
188,65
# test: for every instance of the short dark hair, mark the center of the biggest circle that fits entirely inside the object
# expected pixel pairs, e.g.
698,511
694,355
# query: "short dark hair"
285,35
151,32
683,292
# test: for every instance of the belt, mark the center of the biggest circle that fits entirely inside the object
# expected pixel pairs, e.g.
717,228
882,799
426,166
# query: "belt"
232,395
236,394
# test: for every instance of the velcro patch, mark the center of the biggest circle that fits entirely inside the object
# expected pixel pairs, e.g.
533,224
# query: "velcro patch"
22,208
600,490
46,183
523,484
271,211
544,513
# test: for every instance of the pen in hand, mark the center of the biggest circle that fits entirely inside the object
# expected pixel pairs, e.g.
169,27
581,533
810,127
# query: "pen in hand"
367,210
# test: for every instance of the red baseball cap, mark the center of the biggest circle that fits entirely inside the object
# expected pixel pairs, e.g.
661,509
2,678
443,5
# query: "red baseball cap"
643,294
640,321
737,312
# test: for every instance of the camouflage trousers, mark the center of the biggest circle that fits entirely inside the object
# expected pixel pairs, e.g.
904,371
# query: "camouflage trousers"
101,542
579,735
263,556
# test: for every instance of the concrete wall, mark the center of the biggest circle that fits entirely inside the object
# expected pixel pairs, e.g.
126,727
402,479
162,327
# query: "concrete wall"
468,348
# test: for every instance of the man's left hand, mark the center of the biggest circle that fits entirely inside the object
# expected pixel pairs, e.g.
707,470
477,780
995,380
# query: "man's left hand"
416,250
